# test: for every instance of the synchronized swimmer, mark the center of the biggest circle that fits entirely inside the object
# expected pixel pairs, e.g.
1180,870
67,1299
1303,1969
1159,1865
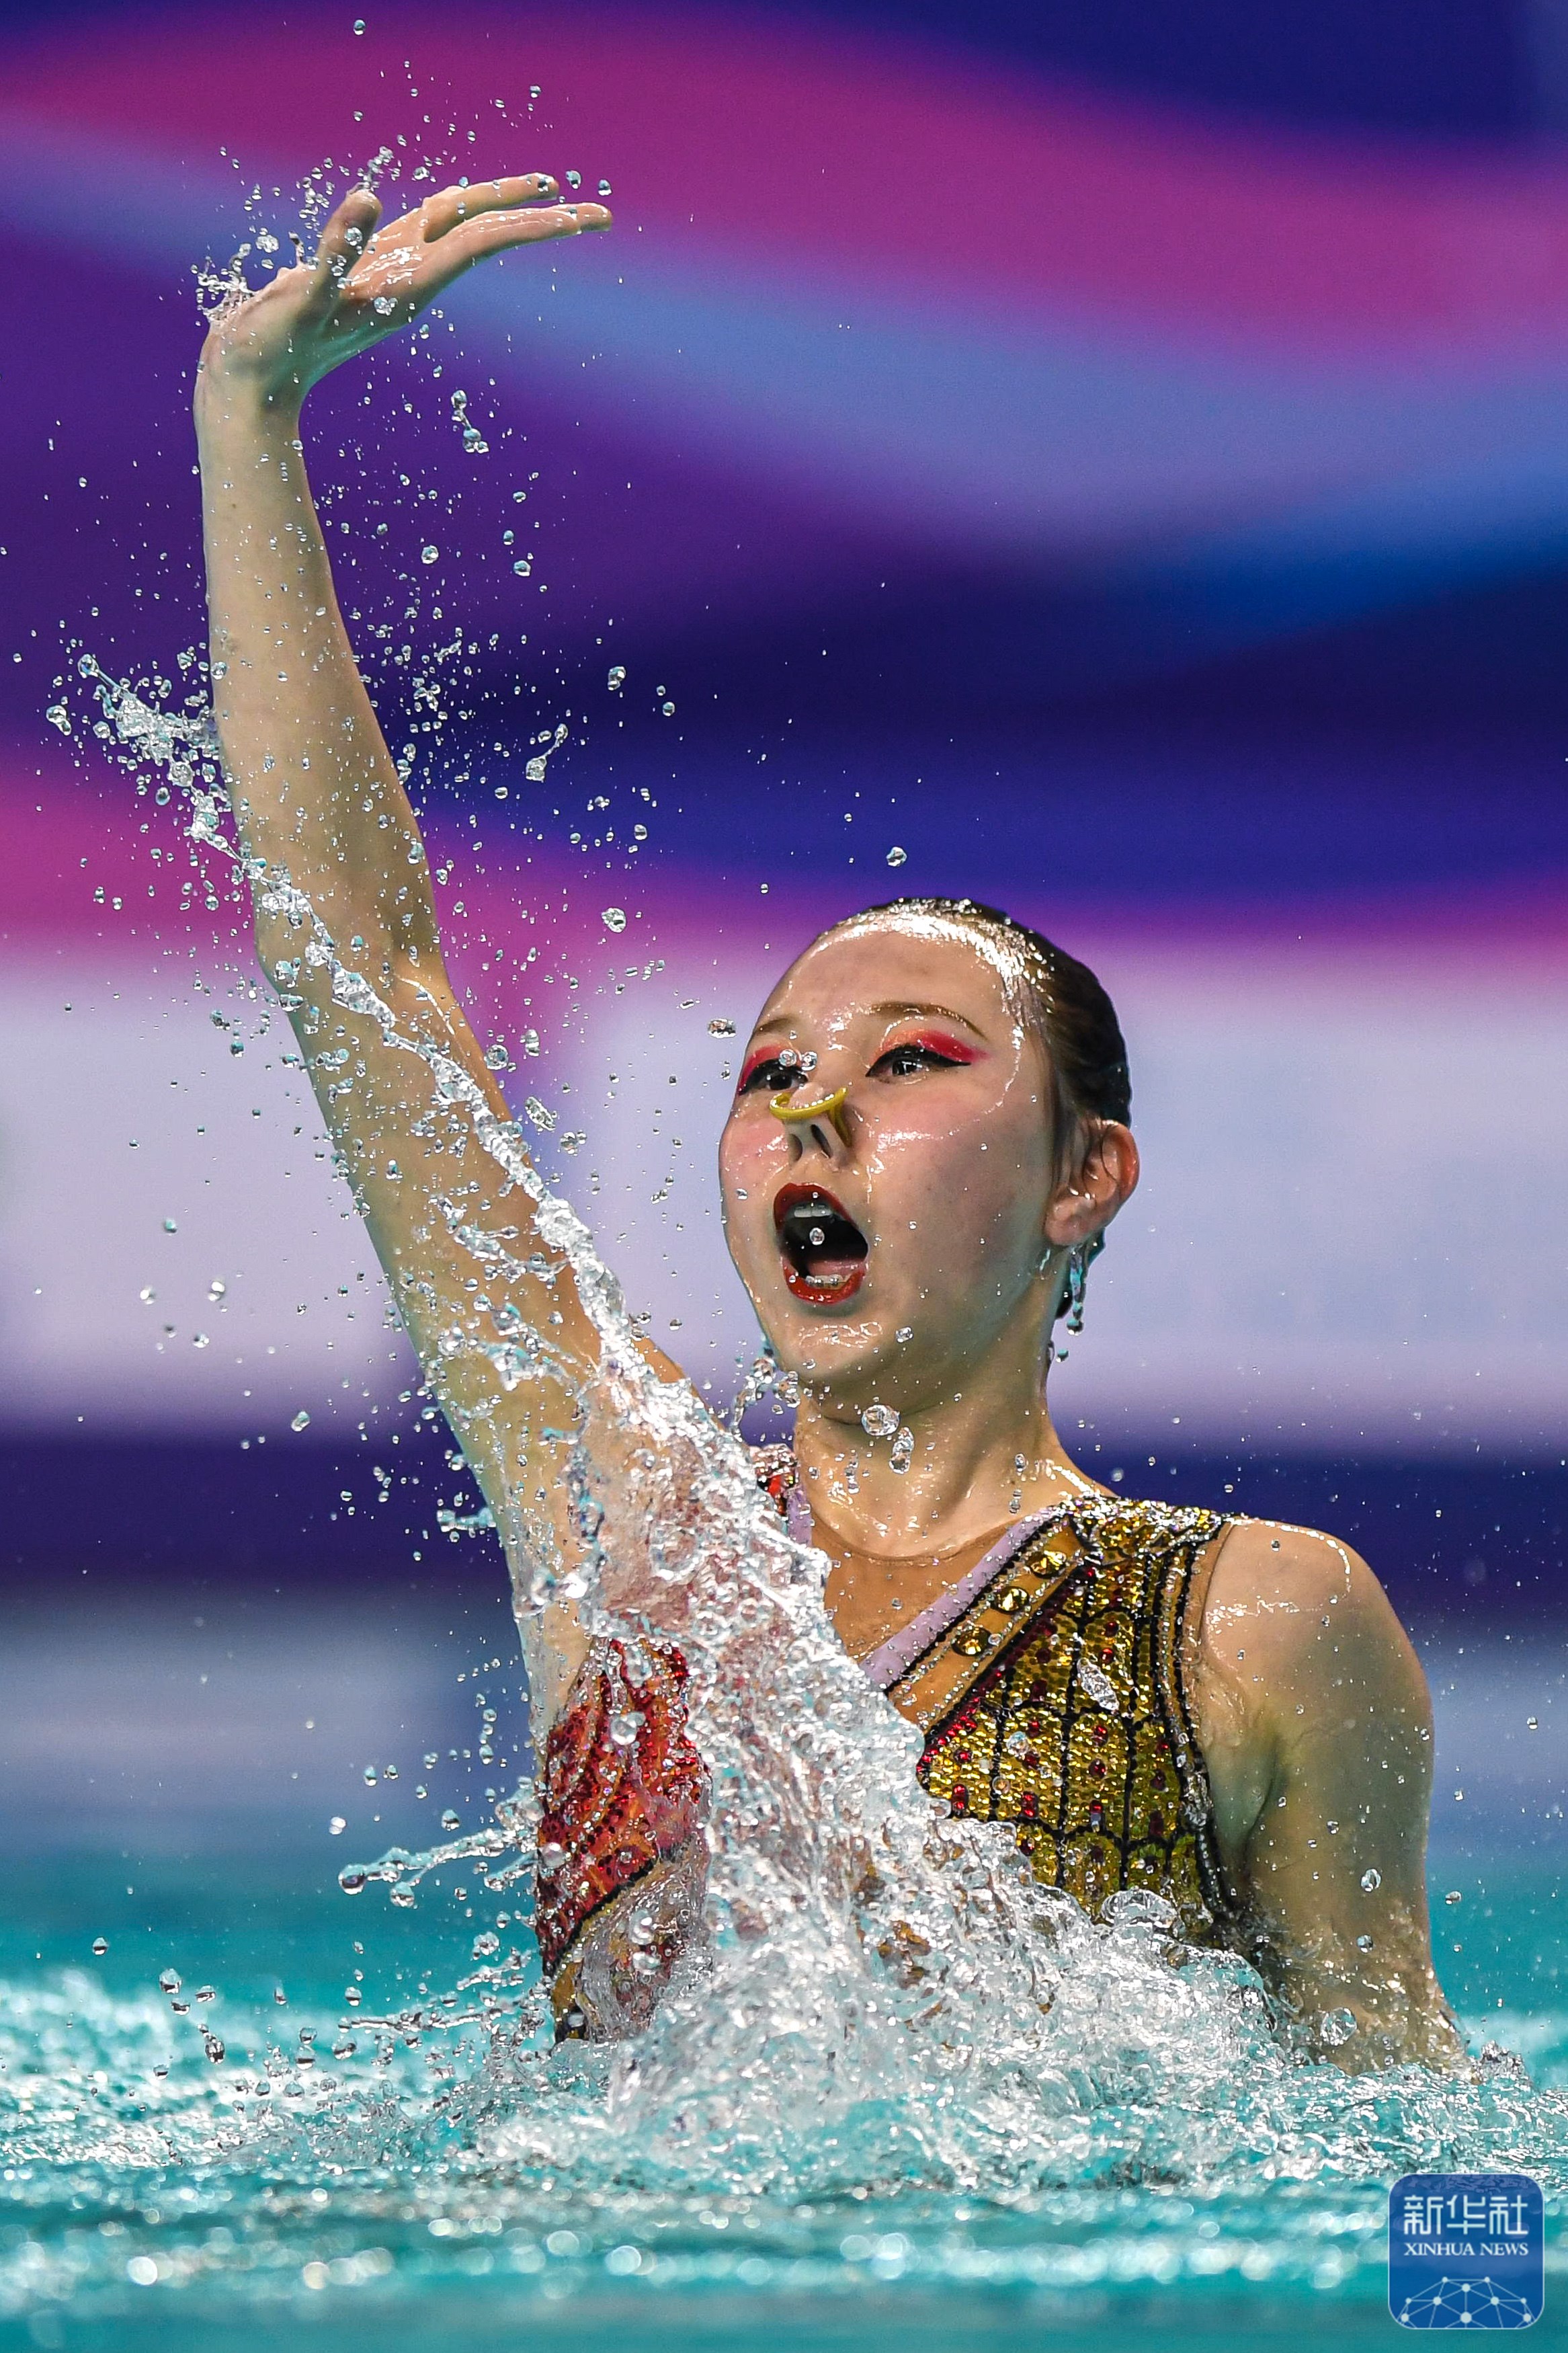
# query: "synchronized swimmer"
928,1142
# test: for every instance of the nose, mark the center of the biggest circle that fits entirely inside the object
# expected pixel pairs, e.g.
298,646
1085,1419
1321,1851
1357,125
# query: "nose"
824,1122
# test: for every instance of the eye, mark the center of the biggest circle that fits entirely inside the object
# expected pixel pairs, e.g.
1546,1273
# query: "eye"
908,1060
769,1072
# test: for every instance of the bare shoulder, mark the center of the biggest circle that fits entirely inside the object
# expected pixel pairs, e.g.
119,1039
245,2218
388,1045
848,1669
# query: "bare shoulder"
1302,1606
1316,1728
1298,1669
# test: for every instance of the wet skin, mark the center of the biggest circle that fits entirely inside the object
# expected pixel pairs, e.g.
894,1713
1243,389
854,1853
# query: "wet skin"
945,1169
1311,1708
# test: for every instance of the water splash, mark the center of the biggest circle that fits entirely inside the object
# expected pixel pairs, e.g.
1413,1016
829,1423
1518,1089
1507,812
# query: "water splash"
891,2043
884,1994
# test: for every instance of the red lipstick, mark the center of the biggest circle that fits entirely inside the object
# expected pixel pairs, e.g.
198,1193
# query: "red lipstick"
823,1250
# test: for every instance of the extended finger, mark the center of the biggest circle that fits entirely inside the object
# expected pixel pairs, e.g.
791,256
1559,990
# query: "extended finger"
344,241
420,275
451,207
471,240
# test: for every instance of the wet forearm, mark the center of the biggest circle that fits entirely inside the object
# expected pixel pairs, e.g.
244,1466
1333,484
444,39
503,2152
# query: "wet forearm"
315,788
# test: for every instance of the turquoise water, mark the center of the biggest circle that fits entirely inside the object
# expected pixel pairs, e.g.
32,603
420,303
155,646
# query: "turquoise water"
144,2211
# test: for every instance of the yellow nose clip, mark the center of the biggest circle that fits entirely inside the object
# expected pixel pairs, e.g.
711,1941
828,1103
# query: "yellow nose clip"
834,1108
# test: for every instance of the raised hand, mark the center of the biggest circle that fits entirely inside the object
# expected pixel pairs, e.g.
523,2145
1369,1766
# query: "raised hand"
367,281
318,799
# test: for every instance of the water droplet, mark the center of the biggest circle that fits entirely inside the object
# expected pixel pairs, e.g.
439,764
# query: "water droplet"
614,919
485,1945
1454,1896
618,677
905,1332
213,2046
429,552
359,23
336,1827
147,1294
370,1777
100,1946
168,1982
1370,1882
217,1289
667,708
1337,2028
301,1420
523,566
451,1822
169,1227
897,857
604,187
878,1421
430,1759
574,179
1364,1944
720,1027
624,1725
903,1451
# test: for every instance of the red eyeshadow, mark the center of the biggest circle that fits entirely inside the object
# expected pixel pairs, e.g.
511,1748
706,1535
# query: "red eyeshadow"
942,1042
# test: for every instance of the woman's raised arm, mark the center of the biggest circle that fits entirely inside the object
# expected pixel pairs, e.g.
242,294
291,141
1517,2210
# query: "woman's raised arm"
320,804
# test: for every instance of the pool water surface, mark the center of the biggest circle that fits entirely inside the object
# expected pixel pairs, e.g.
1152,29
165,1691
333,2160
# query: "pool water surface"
365,2201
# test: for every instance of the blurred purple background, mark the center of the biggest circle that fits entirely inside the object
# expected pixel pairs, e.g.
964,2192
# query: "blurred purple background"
1116,458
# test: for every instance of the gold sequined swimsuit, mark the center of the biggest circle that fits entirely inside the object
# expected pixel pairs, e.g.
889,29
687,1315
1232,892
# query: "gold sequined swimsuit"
1053,1701
1047,1685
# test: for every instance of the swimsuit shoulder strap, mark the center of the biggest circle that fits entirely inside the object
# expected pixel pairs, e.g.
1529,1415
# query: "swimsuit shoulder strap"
892,1660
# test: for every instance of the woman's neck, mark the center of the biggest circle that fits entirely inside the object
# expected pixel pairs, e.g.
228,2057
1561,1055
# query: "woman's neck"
974,1467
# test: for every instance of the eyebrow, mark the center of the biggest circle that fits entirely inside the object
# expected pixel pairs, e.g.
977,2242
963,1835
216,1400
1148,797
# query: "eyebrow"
891,1010
903,1012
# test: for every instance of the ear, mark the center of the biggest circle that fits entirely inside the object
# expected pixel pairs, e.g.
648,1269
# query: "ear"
1086,1203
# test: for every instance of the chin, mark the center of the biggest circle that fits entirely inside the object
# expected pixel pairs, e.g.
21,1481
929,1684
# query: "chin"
833,1347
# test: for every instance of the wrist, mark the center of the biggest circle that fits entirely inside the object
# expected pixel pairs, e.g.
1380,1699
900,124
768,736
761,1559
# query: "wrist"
230,405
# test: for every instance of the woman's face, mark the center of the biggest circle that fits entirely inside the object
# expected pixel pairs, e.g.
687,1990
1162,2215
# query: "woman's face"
886,1247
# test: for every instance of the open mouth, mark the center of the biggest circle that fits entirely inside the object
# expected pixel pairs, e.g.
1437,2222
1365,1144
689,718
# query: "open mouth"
824,1249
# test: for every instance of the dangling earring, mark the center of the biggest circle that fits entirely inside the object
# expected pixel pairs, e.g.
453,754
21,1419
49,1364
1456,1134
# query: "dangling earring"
1078,1279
